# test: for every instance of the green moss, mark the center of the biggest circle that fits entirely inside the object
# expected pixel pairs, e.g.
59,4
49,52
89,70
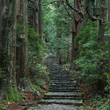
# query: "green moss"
13,95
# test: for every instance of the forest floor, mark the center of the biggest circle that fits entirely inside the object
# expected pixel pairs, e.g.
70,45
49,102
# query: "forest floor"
30,101
25,103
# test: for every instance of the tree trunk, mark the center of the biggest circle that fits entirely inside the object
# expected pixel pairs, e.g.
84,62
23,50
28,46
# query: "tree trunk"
3,46
22,46
35,20
3,20
75,28
109,32
33,15
40,18
12,88
109,40
102,21
8,48
87,2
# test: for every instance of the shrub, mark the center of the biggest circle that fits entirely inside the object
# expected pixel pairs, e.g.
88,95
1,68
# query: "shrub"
92,60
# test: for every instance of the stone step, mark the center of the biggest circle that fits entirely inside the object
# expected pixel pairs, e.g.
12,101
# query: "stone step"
62,85
62,71
62,80
63,93
55,107
54,69
63,90
60,75
62,96
62,101
70,98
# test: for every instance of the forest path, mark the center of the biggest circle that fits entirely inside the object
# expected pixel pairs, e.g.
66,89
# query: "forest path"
63,93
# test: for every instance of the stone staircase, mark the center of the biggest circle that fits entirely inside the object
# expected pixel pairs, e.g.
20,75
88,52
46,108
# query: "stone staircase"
63,93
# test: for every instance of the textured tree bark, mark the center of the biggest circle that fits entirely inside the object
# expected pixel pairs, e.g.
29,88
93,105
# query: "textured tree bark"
8,45
75,28
18,52
12,47
109,32
102,22
3,45
3,20
22,49
35,18
85,15
109,38
40,18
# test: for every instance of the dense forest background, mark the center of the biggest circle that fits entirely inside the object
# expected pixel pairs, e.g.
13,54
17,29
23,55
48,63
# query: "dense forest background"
76,31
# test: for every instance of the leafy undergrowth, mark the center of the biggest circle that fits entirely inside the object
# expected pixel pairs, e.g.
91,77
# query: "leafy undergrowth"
40,83
92,99
28,99
97,103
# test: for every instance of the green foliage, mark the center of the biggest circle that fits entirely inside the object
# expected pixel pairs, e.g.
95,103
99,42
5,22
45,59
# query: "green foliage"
87,39
92,60
40,73
40,84
105,106
34,40
56,27
40,77
37,48
37,54
20,37
22,94
99,103
20,29
13,95
41,69
3,107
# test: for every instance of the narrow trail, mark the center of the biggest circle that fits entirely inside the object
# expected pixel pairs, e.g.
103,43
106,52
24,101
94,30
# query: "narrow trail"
63,93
